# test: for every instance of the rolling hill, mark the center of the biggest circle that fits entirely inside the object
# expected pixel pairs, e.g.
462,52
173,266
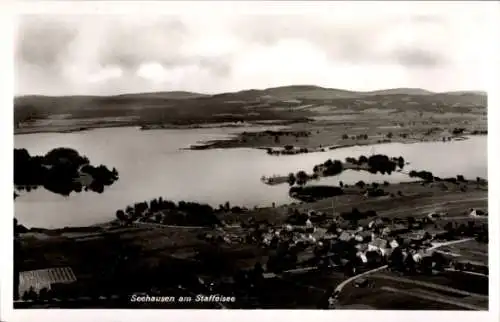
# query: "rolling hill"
284,103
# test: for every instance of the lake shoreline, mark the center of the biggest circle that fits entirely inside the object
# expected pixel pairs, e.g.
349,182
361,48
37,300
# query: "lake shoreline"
234,143
412,188
142,127
196,176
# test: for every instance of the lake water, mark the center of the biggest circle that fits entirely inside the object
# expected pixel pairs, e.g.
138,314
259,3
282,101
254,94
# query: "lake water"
152,164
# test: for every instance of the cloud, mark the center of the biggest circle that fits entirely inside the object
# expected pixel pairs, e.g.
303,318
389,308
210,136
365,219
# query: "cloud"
418,57
43,42
346,48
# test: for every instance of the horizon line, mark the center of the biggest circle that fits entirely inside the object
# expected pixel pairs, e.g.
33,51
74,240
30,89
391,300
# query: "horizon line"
257,89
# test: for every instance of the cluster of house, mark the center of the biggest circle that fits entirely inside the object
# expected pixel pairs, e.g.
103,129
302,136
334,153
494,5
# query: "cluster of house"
374,241
378,238
219,235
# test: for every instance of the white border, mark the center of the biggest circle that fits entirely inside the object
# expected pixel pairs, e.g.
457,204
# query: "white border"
7,14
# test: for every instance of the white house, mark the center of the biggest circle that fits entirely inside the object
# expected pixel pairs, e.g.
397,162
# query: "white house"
362,256
394,243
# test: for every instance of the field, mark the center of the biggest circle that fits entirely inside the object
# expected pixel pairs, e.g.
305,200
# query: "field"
472,250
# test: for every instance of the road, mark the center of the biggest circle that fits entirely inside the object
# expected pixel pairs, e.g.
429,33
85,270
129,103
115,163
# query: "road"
452,242
339,288
434,298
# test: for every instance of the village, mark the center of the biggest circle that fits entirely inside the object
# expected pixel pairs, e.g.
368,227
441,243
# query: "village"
312,241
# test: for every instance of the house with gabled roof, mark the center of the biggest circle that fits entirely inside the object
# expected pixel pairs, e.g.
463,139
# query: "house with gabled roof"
345,236
379,245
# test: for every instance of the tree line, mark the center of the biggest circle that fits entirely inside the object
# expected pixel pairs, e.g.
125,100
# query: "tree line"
168,212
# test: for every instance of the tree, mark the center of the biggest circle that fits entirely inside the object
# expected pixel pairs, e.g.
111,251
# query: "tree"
43,294
362,159
411,220
120,215
439,261
302,177
396,259
345,137
341,184
258,270
360,184
389,135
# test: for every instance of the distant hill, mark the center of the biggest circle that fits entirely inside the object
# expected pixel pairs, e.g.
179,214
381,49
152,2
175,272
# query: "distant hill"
176,95
285,102
479,93
399,91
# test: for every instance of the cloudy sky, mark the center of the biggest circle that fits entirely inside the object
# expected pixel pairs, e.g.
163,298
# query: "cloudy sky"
437,47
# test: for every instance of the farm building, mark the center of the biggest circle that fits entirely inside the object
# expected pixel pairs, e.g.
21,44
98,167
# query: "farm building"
44,278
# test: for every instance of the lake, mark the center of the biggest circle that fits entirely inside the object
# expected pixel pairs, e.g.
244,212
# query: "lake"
152,164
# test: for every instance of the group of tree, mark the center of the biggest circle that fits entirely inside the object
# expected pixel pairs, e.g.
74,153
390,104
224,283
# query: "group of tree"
329,168
355,137
300,218
287,150
168,212
315,192
61,171
332,168
471,229
425,175
356,214
378,163
405,263
384,164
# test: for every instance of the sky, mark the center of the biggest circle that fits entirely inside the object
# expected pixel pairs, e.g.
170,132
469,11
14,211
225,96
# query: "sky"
436,46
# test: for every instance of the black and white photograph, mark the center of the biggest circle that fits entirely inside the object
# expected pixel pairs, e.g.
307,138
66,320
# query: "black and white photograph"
334,158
